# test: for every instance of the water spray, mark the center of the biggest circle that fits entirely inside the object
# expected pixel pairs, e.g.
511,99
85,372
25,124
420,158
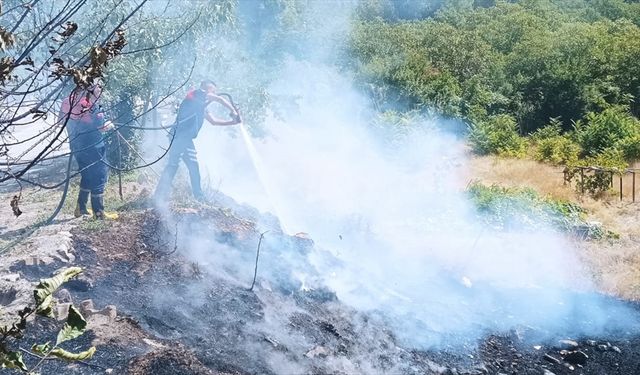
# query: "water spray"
258,166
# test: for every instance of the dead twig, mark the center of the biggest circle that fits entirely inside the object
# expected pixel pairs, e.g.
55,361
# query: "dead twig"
15,201
175,241
133,149
14,205
166,243
255,271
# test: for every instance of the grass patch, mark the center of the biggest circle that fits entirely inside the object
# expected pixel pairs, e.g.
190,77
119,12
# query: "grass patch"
132,197
95,225
515,208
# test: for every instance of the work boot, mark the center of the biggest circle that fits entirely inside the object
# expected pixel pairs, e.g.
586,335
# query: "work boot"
81,206
97,202
102,215
79,212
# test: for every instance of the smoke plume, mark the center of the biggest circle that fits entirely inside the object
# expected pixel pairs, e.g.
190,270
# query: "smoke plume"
394,231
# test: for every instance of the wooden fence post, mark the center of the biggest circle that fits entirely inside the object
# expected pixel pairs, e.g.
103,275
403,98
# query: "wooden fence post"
633,186
620,186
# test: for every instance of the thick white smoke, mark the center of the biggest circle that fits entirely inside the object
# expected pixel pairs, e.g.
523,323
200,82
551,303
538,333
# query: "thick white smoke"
400,234
408,241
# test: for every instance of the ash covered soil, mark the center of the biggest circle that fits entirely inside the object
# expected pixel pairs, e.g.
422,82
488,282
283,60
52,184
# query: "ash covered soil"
179,314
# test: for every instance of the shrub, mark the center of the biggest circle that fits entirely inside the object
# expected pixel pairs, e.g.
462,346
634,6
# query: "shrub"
614,127
497,135
517,208
597,182
553,129
630,147
558,150
555,147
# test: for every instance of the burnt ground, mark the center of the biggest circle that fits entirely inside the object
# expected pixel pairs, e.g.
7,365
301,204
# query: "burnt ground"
179,314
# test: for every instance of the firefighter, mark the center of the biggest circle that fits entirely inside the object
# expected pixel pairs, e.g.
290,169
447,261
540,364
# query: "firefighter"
191,115
85,125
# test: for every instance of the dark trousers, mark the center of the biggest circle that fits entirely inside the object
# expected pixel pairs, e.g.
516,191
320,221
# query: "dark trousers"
93,176
181,149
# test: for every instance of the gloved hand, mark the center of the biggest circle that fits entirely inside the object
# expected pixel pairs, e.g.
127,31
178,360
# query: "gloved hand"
236,117
108,125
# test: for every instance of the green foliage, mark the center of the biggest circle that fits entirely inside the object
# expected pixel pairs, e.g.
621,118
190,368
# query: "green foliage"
45,288
533,60
612,159
558,150
554,147
523,208
612,128
630,147
13,360
595,176
553,129
74,326
69,356
393,127
497,135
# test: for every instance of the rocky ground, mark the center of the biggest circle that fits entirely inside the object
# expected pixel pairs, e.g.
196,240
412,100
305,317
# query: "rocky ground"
157,306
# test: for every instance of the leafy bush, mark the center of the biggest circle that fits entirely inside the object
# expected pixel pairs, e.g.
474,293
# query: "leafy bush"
497,135
554,147
392,127
519,208
612,128
559,150
597,181
553,129
630,147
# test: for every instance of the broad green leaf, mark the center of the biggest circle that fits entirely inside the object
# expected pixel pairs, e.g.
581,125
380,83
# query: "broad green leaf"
12,360
42,349
68,356
45,308
46,287
73,327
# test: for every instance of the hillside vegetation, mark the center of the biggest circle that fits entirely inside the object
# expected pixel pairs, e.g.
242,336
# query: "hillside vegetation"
554,80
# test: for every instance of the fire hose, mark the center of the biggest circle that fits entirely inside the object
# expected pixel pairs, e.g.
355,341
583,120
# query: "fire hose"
65,190
233,104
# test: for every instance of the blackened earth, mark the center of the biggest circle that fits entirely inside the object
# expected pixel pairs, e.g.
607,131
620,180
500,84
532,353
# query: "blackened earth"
176,316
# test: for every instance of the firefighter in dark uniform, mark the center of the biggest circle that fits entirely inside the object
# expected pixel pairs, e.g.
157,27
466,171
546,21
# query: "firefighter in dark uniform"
85,124
191,115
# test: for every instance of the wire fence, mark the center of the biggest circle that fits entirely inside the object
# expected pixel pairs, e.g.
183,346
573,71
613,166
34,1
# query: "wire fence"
628,174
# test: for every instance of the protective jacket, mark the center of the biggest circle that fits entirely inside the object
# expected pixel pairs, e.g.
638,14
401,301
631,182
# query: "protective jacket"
84,123
191,114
